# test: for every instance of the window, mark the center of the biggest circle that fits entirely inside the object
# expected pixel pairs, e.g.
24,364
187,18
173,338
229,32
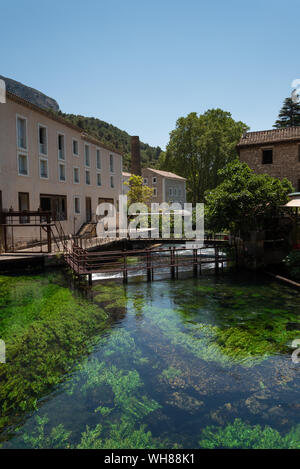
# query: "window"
87,158
111,163
112,185
99,183
21,133
43,145
88,178
77,205
175,191
179,192
145,181
61,147
154,192
170,191
22,165
267,156
43,168
75,147
62,172
98,159
76,178
154,180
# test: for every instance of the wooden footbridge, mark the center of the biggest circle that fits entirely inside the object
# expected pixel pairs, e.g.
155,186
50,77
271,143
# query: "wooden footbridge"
146,261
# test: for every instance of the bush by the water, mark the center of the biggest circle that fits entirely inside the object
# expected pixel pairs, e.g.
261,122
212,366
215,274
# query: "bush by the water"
292,263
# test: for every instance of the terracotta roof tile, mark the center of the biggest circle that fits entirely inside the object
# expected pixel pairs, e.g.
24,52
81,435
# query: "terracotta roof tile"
167,174
270,136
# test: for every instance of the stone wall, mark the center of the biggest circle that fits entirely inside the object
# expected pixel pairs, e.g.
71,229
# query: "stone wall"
286,163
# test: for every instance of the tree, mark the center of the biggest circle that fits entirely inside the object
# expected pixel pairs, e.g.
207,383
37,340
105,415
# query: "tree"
138,192
245,201
289,115
199,146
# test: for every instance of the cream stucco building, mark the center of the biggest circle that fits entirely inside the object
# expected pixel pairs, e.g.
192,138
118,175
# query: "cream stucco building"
167,187
48,163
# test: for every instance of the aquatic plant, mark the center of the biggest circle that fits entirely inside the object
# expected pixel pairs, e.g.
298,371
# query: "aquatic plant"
247,343
44,331
122,435
171,373
57,439
244,436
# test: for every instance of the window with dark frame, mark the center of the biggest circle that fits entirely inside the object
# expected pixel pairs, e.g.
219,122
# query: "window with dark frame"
267,156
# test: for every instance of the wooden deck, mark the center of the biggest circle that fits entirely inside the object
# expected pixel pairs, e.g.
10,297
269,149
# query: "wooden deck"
146,261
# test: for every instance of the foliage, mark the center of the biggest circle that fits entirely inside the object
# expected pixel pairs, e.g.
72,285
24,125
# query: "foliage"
115,138
289,115
138,192
57,439
199,146
263,332
123,435
292,263
239,435
45,329
245,201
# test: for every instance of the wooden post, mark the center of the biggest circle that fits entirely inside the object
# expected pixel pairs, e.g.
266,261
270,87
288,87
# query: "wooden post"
172,262
125,269
90,280
195,262
48,233
148,265
216,259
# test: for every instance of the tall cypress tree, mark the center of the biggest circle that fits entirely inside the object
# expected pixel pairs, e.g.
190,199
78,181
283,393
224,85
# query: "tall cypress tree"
289,115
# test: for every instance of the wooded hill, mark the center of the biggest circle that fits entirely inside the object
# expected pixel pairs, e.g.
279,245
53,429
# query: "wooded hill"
116,138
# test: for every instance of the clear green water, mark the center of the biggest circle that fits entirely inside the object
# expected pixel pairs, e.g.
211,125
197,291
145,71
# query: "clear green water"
174,364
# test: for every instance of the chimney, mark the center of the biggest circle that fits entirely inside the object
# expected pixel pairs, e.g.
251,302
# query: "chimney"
135,156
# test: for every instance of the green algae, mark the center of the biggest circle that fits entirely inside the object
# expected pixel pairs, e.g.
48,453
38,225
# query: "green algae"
153,373
121,435
171,373
45,329
243,436
247,345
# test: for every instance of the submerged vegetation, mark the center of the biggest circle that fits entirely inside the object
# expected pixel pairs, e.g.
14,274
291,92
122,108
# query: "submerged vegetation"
243,436
193,363
45,329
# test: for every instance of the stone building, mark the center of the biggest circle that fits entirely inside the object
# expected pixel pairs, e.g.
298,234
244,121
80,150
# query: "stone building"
275,152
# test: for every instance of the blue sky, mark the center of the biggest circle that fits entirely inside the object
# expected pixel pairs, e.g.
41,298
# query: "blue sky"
142,64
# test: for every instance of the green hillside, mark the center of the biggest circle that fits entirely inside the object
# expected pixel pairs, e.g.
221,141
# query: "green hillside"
116,138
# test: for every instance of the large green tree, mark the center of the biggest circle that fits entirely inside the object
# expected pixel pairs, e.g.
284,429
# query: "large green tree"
245,201
199,146
289,115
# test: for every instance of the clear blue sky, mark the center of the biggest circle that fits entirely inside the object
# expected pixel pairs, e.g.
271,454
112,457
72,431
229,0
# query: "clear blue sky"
142,64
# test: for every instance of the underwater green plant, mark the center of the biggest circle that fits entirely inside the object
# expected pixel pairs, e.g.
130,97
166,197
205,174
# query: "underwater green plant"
122,435
57,439
119,435
45,329
247,344
171,372
244,436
